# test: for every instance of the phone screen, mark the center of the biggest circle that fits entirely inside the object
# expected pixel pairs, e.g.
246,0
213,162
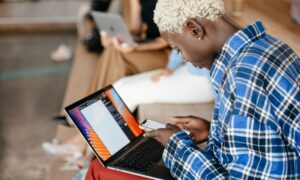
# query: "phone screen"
153,125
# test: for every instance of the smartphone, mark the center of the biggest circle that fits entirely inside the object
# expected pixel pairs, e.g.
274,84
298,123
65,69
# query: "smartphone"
150,125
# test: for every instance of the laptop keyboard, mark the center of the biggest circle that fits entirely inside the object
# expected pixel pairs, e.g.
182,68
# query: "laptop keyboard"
143,157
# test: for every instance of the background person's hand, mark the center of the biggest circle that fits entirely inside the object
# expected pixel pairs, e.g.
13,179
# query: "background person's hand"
123,47
161,72
163,135
198,127
105,39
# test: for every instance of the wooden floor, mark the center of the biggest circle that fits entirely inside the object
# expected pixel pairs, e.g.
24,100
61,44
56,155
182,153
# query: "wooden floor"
32,88
275,14
27,77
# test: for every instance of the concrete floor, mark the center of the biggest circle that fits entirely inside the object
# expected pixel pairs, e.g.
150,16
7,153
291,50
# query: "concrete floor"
31,91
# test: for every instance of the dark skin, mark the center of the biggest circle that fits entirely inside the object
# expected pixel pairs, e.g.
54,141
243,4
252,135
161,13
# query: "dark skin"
198,128
199,43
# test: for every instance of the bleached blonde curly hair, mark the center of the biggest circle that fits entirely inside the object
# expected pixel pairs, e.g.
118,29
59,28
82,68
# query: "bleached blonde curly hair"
170,15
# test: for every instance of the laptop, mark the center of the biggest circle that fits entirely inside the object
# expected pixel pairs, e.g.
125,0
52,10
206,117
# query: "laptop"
114,25
114,134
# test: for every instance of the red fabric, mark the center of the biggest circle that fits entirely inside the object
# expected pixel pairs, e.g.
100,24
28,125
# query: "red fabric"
98,172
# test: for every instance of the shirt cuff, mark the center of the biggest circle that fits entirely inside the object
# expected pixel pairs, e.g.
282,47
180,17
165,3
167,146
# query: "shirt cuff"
177,141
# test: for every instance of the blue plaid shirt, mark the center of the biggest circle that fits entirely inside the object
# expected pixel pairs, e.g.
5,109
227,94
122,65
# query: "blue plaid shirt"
255,127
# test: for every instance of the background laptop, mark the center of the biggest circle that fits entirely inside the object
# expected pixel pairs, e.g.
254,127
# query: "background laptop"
114,135
114,25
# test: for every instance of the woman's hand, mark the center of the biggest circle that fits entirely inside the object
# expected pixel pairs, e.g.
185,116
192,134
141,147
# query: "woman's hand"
198,127
123,47
105,39
160,73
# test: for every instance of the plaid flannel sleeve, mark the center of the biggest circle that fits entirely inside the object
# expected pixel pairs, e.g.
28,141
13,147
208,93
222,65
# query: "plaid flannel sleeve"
250,150
187,161
253,149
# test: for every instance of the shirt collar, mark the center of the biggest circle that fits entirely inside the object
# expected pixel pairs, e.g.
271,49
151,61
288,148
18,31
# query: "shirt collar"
234,44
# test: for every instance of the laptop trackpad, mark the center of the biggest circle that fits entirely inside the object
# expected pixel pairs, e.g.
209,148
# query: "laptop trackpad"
160,171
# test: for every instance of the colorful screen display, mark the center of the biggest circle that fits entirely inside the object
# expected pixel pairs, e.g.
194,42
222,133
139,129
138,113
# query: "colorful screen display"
106,123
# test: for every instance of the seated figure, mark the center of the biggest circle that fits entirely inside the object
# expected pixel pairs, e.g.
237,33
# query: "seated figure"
179,82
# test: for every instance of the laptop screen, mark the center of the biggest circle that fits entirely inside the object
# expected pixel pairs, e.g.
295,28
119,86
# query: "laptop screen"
105,122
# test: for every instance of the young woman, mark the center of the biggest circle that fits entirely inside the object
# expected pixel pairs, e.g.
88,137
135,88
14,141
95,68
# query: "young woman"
119,59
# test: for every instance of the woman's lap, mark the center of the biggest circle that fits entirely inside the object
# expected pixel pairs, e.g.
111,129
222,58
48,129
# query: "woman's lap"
180,87
114,65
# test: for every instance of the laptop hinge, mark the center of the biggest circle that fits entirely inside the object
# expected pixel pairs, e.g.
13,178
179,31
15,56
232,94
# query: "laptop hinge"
133,146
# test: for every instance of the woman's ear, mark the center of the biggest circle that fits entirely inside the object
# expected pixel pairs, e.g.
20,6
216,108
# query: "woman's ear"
194,28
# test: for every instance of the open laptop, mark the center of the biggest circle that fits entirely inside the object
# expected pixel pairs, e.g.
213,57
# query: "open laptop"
114,25
115,137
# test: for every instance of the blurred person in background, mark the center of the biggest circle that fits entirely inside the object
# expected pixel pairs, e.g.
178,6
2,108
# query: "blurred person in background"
119,59
87,30
179,82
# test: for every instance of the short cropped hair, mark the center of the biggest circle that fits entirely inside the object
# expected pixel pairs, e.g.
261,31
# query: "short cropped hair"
171,15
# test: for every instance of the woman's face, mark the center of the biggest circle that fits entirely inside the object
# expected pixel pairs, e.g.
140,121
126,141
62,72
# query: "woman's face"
199,52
